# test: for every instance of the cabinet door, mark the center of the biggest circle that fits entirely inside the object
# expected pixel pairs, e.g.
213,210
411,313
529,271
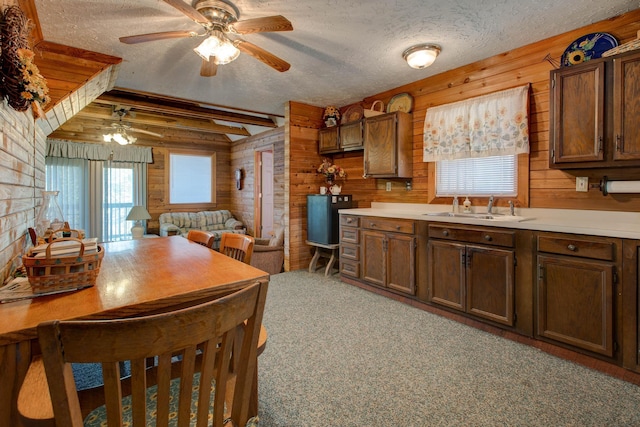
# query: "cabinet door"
373,257
351,136
401,261
328,140
446,274
626,101
575,303
577,116
490,283
380,146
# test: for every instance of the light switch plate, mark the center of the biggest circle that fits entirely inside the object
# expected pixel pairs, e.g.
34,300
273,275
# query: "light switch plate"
582,183
388,185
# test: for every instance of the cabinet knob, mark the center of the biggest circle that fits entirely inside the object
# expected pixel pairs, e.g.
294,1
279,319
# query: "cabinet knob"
373,224
445,232
487,238
572,247
349,220
397,227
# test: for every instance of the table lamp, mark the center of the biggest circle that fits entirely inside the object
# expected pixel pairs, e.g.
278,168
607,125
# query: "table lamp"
138,214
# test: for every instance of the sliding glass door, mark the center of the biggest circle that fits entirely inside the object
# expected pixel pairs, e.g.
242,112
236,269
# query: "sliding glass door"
96,196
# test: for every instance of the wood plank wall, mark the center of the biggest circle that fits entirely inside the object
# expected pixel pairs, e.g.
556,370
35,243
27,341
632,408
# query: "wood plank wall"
547,188
157,199
22,146
243,154
301,161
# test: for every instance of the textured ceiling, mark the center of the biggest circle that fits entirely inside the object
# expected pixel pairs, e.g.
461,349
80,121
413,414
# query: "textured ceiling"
340,51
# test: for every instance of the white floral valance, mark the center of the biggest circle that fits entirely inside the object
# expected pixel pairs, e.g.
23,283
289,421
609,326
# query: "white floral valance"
116,153
490,125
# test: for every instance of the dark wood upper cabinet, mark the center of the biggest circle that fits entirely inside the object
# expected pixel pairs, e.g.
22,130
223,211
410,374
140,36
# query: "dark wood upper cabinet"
594,111
626,102
578,114
328,141
388,150
336,139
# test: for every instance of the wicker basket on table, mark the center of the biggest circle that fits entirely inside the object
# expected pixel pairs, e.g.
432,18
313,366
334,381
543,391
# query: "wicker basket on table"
61,273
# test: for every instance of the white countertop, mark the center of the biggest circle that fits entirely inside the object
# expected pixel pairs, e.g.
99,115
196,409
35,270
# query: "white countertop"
594,223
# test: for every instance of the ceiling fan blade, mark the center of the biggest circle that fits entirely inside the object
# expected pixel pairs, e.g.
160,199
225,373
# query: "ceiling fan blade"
188,10
262,55
141,38
147,132
261,25
208,68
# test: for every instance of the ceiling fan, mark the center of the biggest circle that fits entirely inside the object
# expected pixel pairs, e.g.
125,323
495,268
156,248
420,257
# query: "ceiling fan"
219,18
120,129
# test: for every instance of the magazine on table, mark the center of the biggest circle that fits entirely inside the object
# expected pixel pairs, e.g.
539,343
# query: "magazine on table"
65,247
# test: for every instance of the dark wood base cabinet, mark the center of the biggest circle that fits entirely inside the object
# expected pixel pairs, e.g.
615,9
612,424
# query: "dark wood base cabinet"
576,292
577,296
381,252
476,279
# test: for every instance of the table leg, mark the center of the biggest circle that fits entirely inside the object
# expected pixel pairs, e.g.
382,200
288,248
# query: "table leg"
332,260
314,261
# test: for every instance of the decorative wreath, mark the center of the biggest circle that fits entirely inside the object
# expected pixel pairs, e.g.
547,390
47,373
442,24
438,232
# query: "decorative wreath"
14,31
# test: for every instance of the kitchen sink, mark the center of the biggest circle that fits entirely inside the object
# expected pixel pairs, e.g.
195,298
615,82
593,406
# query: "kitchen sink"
487,216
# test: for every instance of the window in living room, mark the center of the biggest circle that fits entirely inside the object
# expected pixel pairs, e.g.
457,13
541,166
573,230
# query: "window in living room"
191,177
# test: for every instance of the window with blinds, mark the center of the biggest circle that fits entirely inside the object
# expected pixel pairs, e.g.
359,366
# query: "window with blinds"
480,176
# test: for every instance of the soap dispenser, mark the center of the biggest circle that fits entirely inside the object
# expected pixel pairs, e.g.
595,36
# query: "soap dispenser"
467,205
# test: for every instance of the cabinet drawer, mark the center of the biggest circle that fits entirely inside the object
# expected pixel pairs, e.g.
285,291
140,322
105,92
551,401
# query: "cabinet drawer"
348,251
487,236
350,268
349,235
586,248
388,224
349,220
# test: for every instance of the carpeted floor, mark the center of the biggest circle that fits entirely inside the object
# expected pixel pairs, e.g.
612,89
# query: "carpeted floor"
338,355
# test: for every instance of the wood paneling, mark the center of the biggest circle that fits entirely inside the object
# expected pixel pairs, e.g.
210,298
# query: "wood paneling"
243,157
301,161
157,202
21,183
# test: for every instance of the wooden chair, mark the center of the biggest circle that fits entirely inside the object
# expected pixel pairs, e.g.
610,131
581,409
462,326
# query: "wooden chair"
201,237
227,330
237,246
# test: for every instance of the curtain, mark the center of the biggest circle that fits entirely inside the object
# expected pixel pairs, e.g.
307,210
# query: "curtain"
489,125
71,178
116,153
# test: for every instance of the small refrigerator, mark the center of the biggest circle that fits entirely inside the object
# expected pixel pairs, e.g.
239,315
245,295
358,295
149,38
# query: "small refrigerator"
323,222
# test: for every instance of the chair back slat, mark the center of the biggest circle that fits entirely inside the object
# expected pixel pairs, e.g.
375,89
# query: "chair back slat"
237,246
195,344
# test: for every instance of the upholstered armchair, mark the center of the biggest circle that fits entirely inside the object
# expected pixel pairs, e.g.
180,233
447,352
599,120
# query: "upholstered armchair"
268,253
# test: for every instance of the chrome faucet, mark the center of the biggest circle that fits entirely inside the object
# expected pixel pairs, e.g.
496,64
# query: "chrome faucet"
511,208
490,205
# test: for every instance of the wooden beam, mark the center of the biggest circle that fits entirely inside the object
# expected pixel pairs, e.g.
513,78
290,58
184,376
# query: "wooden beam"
159,104
105,112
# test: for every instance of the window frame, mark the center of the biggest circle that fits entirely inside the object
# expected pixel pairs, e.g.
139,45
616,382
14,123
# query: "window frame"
167,182
521,200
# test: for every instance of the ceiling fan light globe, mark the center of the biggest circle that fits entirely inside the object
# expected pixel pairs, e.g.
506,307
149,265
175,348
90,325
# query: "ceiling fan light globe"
421,56
226,53
107,137
207,47
120,139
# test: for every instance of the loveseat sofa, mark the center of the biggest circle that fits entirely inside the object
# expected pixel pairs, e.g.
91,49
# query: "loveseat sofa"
214,222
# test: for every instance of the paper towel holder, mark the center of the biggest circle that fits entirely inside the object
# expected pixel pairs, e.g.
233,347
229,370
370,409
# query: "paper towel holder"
628,187
603,185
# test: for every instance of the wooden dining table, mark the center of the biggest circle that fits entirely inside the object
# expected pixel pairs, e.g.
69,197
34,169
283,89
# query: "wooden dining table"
136,277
